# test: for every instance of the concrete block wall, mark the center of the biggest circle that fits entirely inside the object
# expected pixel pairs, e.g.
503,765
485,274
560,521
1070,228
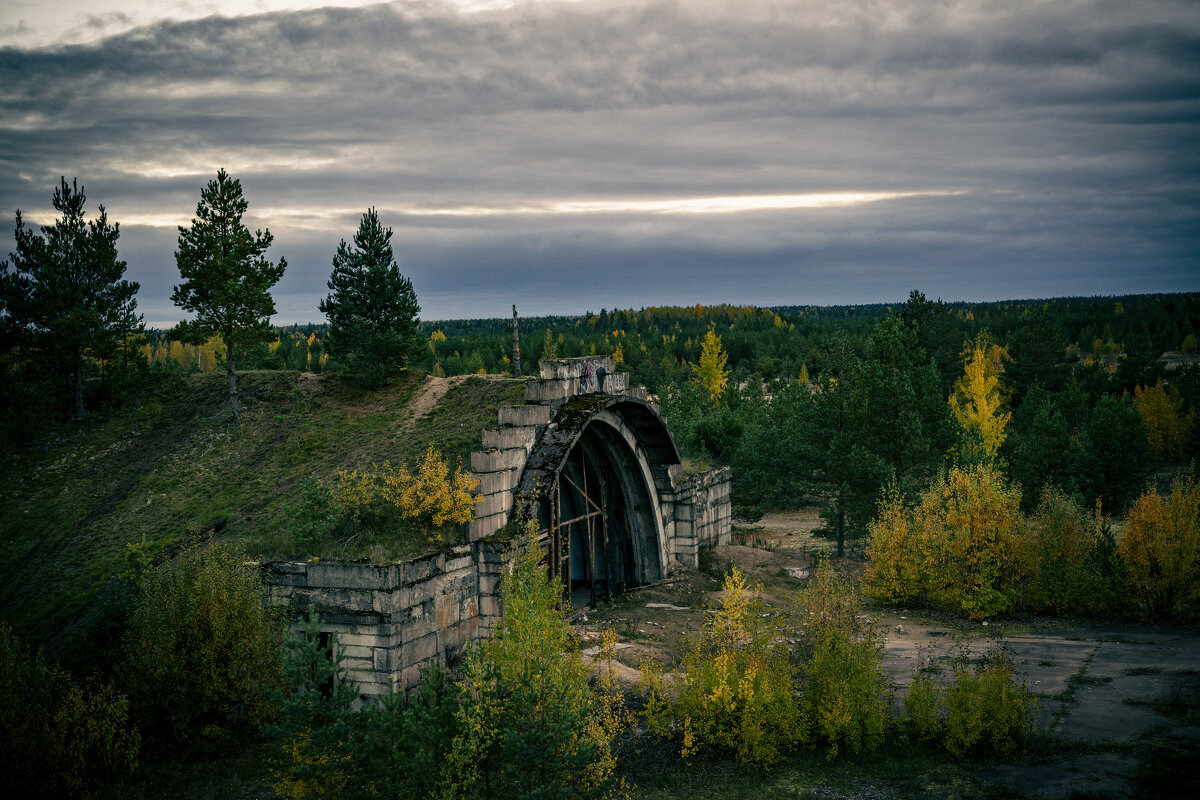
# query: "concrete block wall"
394,620
698,513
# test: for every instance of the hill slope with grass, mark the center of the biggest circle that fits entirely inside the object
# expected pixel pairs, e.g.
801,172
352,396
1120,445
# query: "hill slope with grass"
129,486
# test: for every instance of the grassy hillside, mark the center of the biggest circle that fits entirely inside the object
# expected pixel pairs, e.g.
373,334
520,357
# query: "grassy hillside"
177,470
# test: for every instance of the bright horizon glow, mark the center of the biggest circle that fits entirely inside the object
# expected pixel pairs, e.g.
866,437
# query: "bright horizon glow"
732,204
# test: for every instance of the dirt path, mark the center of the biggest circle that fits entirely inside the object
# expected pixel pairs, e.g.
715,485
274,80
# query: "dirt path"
432,392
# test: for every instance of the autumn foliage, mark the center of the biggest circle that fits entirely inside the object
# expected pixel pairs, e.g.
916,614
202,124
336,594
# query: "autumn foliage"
381,497
1168,426
1161,548
979,401
959,548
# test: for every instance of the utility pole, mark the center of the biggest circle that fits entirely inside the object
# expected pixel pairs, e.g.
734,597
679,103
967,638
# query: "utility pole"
516,359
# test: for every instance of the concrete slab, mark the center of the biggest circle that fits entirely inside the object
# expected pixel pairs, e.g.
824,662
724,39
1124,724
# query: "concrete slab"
1100,775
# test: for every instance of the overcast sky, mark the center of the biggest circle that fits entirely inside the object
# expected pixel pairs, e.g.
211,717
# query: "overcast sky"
568,156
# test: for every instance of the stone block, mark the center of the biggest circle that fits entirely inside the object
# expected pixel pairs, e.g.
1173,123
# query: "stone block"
549,391
492,482
359,664
571,367
447,612
507,438
489,606
524,415
284,568
285,579
489,585
494,504
410,676
486,526
356,651
420,650
460,563
354,576
421,569
616,383
417,627
497,460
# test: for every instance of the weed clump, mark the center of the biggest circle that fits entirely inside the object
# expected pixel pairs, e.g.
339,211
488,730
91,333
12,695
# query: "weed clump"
984,709
845,691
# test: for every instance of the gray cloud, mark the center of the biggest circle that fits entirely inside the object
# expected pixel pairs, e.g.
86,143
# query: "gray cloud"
1069,127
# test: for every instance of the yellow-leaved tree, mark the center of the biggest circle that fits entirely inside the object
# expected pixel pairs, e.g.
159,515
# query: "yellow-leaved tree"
1167,425
979,401
711,372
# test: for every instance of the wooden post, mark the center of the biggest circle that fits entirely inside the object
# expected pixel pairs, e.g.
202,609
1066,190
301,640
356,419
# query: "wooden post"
516,359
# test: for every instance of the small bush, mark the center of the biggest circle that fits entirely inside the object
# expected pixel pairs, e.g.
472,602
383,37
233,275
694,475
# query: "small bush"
737,696
60,739
923,707
406,741
383,499
1161,549
527,721
315,516
1069,556
895,552
846,701
988,709
202,650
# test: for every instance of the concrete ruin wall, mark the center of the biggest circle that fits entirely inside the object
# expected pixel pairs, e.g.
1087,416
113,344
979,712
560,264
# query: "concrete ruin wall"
396,619
697,513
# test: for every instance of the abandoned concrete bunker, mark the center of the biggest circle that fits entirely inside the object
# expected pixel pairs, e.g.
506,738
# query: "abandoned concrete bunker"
590,462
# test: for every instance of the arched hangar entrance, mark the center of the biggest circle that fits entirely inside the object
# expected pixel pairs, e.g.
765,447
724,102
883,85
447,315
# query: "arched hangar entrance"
594,479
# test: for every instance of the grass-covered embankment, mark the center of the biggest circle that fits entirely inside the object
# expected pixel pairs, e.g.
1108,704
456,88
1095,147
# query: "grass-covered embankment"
178,470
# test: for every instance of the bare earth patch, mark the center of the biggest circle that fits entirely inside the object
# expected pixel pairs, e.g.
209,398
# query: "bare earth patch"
1105,692
428,397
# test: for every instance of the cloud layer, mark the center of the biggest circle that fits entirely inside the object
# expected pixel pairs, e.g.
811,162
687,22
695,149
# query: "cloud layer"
567,156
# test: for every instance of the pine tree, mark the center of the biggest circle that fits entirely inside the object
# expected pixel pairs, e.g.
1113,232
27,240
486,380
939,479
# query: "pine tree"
65,295
372,308
226,277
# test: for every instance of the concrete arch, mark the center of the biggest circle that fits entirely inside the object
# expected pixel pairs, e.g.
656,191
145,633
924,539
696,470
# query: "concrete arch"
593,481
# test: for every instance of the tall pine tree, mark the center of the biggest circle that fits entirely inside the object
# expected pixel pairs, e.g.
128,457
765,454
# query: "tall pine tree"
372,308
227,279
65,296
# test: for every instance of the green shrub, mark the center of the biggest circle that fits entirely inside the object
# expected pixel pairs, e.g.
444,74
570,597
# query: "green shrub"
60,739
924,707
988,709
315,730
202,650
1071,558
407,740
737,694
845,692
528,723
314,517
